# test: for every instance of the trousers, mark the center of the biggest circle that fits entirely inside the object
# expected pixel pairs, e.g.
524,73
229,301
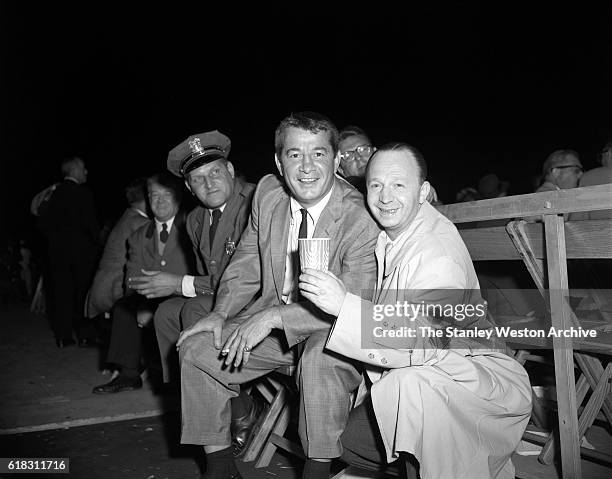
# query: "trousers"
325,382
168,325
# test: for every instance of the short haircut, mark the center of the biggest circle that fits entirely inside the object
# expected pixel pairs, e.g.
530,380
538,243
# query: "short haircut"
557,157
352,130
416,154
309,121
169,181
136,190
69,164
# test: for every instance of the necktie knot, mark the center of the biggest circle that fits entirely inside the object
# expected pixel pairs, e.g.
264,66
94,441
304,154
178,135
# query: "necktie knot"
163,234
303,233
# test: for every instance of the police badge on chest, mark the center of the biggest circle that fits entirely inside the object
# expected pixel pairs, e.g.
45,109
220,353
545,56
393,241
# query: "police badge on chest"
230,246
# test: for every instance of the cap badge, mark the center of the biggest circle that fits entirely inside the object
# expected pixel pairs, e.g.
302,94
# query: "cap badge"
195,146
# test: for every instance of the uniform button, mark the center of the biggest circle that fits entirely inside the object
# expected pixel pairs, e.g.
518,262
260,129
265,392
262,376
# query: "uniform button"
213,262
163,262
383,360
371,355
385,324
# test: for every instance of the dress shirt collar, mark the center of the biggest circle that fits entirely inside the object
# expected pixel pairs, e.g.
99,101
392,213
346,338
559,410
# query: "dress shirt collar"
158,224
314,211
386,247
222,208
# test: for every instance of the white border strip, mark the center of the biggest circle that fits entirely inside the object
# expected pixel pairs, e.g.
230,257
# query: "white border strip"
83,422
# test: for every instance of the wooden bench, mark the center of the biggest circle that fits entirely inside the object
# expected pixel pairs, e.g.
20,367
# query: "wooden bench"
544,248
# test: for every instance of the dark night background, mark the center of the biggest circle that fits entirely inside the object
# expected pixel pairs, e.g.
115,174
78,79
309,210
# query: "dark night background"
477,89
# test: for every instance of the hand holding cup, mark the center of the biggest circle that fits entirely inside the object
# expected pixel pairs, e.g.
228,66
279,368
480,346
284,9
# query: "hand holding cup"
323,289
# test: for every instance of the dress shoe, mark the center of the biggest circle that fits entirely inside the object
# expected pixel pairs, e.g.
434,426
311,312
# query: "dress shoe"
242,427
120,383
64,342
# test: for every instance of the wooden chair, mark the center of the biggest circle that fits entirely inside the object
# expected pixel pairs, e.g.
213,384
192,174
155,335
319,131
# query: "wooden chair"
279,390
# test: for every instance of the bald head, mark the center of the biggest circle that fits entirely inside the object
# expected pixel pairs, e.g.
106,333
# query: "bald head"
75,169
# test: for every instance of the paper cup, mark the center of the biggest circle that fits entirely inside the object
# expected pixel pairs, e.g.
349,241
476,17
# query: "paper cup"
314,253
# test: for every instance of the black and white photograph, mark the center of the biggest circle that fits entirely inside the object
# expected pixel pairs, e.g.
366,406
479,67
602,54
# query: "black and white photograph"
306,241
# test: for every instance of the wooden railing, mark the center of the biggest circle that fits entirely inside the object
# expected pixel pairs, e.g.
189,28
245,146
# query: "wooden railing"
544,248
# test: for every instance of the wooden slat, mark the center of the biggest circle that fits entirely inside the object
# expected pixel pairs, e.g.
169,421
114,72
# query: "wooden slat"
547,454
595,401
564,360
263,428
489,244
520,206
276,439
590,239
583,239
516,232
592,370
588,453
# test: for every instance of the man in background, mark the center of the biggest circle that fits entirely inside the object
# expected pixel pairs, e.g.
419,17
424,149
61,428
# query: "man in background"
161,245
562,170
68,220
355,150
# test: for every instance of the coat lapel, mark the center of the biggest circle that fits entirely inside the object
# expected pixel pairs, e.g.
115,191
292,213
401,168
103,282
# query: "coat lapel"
150,247
226,224
279,232
327,226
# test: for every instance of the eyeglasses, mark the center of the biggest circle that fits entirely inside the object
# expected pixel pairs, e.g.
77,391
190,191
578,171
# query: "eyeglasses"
579,168
361,150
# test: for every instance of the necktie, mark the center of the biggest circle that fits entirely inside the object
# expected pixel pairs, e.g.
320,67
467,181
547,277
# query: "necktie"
163,234
216,215
303,233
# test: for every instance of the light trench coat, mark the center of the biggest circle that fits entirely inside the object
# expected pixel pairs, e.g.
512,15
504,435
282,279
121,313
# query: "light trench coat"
460,406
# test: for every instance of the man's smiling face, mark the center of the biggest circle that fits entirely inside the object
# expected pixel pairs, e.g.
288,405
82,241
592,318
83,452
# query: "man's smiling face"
394,188
308,165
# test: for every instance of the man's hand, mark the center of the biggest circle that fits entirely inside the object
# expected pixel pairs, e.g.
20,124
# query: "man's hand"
156,284
211,323
323,289
249,334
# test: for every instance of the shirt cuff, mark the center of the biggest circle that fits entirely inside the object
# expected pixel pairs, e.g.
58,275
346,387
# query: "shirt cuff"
188,286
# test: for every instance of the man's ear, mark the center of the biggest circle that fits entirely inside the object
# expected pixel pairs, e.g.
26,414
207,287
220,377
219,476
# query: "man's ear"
230,168
337,162
279,165
188,186
423,192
